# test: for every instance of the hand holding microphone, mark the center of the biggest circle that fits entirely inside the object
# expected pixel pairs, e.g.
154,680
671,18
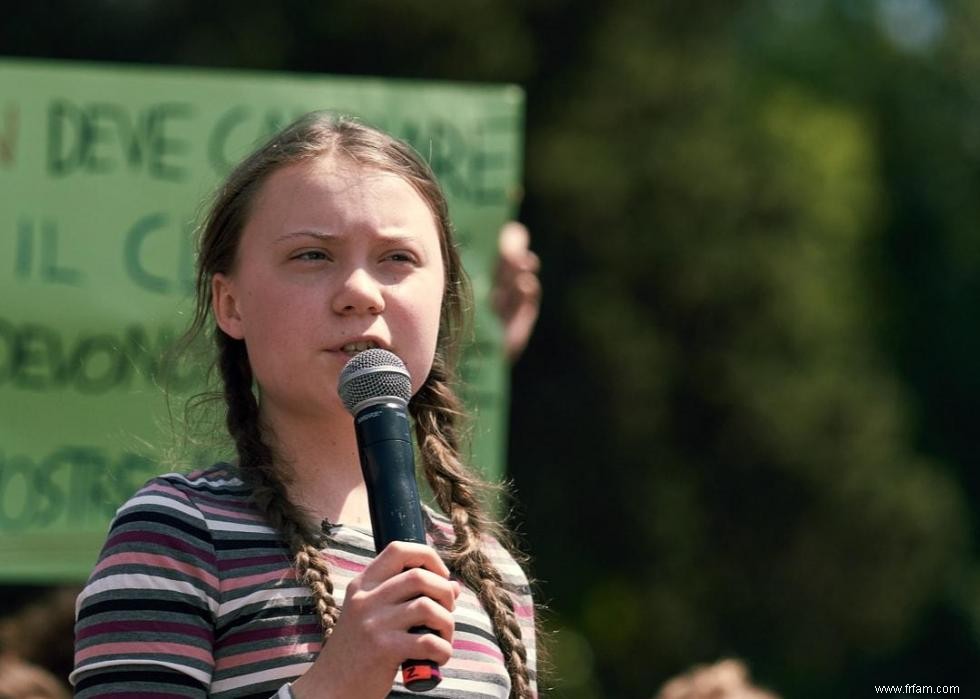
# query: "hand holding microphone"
406,585
375,387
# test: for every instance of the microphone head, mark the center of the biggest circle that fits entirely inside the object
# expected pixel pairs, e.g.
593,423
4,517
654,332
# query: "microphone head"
373,375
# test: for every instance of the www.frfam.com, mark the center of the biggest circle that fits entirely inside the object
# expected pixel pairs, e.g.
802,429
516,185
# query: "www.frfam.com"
916,689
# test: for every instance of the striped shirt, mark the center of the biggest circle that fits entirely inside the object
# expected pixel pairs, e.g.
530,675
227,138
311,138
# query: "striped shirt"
194,595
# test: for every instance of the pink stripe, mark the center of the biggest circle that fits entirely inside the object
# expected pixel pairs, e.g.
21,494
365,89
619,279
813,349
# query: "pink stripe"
446,529
258,656
149,647
145,537
222,500
211,472
221,506
480,666
478,648
236,514
168,487
165,488
157,561
345,564
258,578
524,611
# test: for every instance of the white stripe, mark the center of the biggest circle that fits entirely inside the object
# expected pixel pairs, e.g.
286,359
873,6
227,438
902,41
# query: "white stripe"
201,676
474,617
490,688
162,500
142,581
460,685
287,673
222,526
206,479
263,595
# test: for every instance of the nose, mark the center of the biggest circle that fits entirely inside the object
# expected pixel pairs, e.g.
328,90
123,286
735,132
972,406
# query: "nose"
359,292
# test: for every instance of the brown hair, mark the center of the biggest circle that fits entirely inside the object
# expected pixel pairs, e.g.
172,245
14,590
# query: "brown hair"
436,410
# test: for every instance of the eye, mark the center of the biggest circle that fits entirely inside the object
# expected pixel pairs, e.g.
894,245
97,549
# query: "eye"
311,255
401,256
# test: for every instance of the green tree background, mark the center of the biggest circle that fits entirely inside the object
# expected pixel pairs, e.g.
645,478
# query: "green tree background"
760,230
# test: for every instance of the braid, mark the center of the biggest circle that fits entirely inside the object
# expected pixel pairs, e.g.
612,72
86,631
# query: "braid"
256,460
436,410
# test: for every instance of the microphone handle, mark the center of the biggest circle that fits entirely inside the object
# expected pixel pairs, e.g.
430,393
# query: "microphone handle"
388,465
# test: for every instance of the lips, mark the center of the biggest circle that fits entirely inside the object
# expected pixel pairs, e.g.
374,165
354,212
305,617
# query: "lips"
352,347
359,346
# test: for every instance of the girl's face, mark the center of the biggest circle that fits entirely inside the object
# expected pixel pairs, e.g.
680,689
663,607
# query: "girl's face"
334,258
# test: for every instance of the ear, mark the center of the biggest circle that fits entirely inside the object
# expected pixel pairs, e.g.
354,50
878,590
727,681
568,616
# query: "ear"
224,305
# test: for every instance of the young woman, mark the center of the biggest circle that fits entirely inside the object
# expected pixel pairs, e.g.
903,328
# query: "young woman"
259,577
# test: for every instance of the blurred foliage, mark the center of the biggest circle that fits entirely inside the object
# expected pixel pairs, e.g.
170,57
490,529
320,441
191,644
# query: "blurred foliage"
745,424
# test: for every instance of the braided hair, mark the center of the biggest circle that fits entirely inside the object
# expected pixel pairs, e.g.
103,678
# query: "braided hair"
436,410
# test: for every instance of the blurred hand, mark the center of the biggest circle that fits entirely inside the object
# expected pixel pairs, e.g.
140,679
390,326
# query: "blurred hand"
20,679
516,293
727,679
407,585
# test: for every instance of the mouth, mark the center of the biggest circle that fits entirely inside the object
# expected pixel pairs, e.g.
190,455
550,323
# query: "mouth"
352,348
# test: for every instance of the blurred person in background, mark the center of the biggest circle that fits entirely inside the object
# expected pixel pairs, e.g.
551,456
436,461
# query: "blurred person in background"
20,679
726,679
516,292
40,635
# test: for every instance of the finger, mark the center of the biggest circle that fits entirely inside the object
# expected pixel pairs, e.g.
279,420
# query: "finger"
418,582
400,555
522,289
505,302
513,240
397,646
425,646
528,286
506,269
522,319
518,334
530,262
426,612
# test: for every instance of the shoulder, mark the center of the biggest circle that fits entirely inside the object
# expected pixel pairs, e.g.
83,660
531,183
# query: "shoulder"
178,510
220,481
190,493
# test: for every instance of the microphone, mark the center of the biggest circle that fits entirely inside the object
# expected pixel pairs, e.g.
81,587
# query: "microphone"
375,387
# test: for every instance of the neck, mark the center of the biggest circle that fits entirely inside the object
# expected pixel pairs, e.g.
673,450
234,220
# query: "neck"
320,456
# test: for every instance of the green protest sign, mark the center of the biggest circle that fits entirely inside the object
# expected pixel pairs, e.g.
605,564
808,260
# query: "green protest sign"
103,171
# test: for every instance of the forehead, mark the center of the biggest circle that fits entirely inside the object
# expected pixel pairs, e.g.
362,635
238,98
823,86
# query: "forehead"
328,187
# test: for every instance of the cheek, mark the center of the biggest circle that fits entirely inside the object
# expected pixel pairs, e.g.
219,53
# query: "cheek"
269,311
273,326
425,322
433,316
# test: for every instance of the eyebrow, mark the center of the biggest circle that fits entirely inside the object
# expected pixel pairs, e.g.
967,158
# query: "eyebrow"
325,236
319,235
